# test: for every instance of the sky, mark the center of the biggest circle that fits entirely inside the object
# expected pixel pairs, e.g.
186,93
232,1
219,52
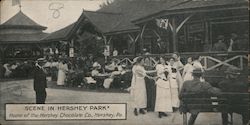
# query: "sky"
54,14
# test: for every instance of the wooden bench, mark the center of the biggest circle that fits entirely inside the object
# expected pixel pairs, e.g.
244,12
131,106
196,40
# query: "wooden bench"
224,102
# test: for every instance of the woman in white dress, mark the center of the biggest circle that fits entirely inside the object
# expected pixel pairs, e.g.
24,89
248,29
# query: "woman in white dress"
174,86
163,93
62,70
188,69
138,87
177,62
197,65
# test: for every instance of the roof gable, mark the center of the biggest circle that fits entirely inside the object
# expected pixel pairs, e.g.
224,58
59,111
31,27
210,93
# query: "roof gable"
61,34
103,21
20,19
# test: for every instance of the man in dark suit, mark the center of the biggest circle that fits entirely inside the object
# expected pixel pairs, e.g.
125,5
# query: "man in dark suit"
196,86
40,81
234,84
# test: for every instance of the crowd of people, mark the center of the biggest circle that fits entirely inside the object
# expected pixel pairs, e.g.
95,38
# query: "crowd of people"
87,72
16,69
159,88
173,79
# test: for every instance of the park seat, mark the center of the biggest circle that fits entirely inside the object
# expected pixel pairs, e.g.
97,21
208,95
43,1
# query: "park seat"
224,102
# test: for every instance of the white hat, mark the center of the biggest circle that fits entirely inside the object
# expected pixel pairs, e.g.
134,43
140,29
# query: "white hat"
96,64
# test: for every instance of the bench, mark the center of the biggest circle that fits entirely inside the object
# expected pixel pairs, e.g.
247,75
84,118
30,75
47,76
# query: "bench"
224,102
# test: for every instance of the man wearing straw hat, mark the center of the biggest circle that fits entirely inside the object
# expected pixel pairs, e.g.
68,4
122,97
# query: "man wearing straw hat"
40,82
234,84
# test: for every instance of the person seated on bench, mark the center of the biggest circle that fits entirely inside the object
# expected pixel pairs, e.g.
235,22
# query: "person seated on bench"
111,66
91,83
99,77
196,86
235,84
108,81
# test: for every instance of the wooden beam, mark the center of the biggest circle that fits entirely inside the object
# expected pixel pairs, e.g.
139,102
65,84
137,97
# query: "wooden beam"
183,22
157,34
175,40
142,32
134,39
110,39
105,39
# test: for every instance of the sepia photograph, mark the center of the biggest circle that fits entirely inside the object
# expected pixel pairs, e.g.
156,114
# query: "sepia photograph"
124,62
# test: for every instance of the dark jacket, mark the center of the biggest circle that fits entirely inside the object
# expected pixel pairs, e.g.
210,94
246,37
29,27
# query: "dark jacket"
237,85
40,82
197,87
234,85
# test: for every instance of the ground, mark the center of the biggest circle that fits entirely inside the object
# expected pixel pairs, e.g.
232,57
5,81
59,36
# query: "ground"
11,93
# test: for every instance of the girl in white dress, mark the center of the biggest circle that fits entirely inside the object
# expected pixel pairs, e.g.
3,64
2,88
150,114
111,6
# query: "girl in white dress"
163,93
62,70
138,88
188,69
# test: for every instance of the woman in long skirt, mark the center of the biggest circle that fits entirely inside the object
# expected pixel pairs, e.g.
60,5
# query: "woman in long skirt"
174,85
188,69
62,69
163,101
138,88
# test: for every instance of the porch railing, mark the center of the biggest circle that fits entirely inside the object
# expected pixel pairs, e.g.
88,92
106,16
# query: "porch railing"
209,60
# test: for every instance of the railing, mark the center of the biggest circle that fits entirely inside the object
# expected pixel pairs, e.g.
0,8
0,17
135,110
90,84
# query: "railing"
209,60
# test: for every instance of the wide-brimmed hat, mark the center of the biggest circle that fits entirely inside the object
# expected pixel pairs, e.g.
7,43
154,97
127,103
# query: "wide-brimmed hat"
232,70
197,71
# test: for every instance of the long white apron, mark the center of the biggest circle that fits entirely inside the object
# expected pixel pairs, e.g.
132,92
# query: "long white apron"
138,87
174,85
163,102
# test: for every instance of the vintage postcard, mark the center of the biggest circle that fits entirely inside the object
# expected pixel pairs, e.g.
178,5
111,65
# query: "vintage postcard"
124,62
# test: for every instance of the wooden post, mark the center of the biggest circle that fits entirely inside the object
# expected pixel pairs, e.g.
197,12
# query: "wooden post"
142,42
1,54
175,39
205,62
241,63
184,118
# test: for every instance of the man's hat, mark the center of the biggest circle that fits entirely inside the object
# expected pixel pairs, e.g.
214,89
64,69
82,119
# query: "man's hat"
231,70
197,71
41,60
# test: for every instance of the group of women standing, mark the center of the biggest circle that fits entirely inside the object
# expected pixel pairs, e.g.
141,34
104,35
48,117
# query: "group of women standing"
58,70
168,82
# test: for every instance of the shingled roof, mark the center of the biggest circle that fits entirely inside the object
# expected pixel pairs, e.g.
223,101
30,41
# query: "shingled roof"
61,34
191,4
194,5
21,20
21,29
116,17
133,9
